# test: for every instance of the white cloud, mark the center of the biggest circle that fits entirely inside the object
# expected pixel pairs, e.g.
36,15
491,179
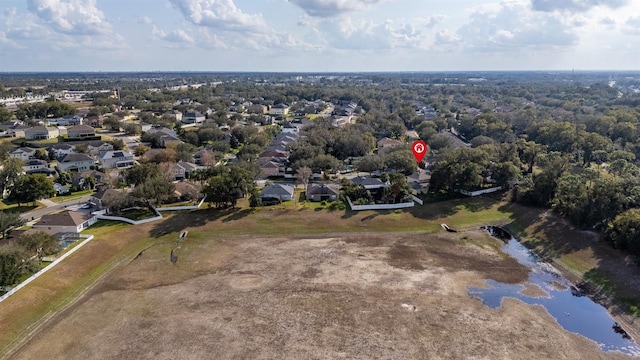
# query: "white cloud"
178,38
513,25
632,26
348,33
330,8
73,17
219,14
575,5
144,20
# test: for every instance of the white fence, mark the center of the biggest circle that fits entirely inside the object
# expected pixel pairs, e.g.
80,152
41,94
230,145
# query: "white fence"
47,268
480,192
380,206
129,221
417,199
178,208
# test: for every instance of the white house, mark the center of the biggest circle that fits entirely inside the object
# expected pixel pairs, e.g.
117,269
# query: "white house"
116,159
182,170
75,162
23,153
66,120
34,164
62,149
193,118
279,109
41,133
98,147
66,222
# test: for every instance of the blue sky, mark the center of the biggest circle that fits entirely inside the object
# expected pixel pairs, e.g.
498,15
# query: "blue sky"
318,35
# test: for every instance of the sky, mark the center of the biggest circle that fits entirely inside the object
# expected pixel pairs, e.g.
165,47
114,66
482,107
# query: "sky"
318,35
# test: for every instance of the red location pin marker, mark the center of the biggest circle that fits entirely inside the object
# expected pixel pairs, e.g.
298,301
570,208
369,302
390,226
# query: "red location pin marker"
419,149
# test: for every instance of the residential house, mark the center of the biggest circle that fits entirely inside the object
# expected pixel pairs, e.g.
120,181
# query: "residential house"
23,153
94,121
98,147
65,222
322,192
41,133
257,109
144,127
75,162
278,191
182,170
34,164
274,153
385,145
62,149
61,189
79,179
279,109
80,131
193,118
173,114
168,137
5,126
98,199
419,181
369,183
271,166
117,159
204,157
17,130
67,120
290,129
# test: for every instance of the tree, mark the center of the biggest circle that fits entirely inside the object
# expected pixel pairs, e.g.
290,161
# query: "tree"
11,170
15,261
303,174
31,187
40,243
624,231
118,144
9,220
140,173
157,188
401,160
141,149
370,163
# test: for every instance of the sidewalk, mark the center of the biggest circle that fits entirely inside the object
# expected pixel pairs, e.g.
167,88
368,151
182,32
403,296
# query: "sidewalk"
47,202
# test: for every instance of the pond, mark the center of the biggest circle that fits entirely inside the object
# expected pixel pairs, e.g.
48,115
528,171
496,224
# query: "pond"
573,311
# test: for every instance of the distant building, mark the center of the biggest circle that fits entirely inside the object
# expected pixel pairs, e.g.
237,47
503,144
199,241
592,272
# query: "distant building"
66,120
279,109
193,118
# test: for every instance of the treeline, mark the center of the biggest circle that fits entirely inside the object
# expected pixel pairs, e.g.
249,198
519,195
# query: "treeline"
24,256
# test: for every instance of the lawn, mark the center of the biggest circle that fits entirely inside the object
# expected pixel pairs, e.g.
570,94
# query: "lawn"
6,205
74,196
138,214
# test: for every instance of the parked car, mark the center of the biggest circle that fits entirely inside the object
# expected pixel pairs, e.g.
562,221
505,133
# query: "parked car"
86,206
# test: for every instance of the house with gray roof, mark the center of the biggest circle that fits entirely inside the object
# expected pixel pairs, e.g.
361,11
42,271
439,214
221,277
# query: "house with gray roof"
278,191
75,162
322,192
65,222
116,159
41,133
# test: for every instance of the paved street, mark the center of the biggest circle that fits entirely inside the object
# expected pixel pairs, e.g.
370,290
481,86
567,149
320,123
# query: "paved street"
53,207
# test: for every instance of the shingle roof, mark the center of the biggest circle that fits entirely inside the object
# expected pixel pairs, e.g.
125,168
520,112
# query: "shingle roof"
68,218
279,189
68,158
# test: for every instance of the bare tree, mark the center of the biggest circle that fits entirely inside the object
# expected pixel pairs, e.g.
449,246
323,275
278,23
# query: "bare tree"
303,174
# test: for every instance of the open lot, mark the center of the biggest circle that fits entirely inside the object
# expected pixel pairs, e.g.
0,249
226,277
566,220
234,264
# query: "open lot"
348,296
278,283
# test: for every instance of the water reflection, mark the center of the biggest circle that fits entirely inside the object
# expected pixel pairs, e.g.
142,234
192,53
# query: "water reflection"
574,312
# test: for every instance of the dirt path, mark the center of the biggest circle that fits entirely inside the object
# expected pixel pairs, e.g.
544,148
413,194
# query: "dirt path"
353,296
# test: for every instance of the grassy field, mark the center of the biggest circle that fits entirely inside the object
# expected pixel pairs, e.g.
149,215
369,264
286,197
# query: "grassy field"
116,245
6,205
